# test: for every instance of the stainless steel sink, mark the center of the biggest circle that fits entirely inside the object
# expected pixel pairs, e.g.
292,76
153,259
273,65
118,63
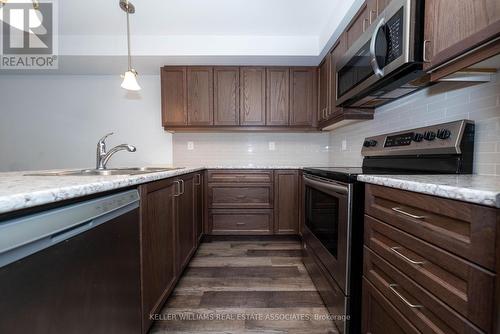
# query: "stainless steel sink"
106,172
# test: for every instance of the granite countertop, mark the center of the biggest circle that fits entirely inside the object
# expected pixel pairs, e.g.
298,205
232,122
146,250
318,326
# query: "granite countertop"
18,191
477,189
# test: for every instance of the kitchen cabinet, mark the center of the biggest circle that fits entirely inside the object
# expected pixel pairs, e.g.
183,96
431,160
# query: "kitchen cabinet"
241,222
169,233
198,205
286,202
359,24
336,55
174,96
436,253
454,27
186,224
278,96
158,240
253,96
324,88
303,96
226,96
200,102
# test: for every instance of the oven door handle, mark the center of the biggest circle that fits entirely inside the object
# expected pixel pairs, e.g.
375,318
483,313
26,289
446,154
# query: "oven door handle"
379,72
326,186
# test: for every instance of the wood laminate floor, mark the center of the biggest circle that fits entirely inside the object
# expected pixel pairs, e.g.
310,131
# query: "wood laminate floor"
245,287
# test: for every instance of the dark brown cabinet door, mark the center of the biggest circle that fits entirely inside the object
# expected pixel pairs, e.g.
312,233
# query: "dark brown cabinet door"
324,88
335,56
253,96
174,96
286,202
158,270
200,104
198,205
380,316
358,25
226,96
303,96
278,96
186,226
452,27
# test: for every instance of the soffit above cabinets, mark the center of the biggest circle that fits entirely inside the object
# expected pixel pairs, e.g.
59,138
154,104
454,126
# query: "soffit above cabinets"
197,32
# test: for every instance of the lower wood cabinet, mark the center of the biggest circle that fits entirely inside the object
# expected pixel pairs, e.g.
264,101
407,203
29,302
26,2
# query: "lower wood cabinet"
170,229
253,202
431,264
158,240
286,202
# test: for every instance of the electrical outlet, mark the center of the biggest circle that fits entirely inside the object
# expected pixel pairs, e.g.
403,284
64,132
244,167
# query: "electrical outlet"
344,145
190,145
272,146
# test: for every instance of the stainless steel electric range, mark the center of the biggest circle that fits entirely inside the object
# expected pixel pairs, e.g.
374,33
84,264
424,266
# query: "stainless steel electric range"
333,233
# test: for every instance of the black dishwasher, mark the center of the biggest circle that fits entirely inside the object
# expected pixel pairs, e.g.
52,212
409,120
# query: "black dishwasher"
74,269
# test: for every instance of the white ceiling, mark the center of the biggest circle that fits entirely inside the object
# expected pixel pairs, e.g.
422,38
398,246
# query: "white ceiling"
232,32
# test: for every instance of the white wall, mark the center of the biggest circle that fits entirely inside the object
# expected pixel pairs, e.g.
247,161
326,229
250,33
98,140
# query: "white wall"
437,104
55,121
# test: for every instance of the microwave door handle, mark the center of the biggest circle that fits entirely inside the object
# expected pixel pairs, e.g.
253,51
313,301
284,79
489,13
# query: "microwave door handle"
373,57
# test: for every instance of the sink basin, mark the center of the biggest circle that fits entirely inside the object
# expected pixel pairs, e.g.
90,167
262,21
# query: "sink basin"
106,172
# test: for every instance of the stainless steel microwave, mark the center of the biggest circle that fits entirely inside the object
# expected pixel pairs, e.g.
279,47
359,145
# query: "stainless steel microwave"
385,63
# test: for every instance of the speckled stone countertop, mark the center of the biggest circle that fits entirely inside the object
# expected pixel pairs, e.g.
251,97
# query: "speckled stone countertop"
18,191
477,189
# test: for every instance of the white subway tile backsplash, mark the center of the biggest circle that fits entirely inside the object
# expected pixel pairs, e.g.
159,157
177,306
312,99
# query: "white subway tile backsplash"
440,103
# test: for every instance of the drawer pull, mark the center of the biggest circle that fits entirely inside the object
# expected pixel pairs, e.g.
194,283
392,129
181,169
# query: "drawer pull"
396,250
407,214
240,224
392,287
241,196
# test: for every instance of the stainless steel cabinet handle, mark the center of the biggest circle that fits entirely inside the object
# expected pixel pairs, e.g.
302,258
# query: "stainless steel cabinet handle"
396,250
372,12
364,24
178,190
183,186
407,214
240,224
198,179
392,287
424,55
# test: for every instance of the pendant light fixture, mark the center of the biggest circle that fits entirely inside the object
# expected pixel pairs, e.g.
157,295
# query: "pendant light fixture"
130,77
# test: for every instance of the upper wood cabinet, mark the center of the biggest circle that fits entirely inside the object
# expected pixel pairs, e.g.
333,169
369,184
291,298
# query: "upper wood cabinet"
227,96
303,96
324,88
253,96
174,96
358,25
454,27
336,55
200,96
278,96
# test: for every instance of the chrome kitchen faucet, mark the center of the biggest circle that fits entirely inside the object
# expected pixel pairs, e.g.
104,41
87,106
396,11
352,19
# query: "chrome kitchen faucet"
103,156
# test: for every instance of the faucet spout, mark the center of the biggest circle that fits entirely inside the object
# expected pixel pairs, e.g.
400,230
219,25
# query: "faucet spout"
103,156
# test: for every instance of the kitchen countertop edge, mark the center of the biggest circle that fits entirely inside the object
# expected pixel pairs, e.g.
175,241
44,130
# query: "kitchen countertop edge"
477,189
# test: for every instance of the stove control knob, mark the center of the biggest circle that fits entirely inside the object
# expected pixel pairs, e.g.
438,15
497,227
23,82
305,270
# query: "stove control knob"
429,135
418,137
443,133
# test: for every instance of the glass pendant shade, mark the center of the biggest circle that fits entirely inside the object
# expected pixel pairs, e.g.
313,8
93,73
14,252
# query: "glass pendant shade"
130,81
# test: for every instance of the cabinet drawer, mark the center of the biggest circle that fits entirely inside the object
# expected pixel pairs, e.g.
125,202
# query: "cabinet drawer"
460,284
422,309
380,316
241,222
240,196
240,176
465,229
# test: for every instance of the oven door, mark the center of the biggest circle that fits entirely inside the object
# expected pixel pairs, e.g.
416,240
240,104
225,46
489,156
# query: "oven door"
386,46
328,219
